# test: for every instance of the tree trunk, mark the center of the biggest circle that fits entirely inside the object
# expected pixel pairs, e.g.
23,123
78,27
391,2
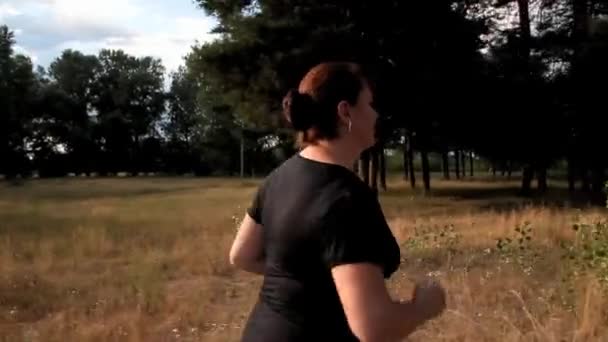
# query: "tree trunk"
364,167
446,164
242,154
133,160
580,13
526,180
374,169
580,32
571,174
426,172
598,177
471,172
382,169
410,160
406,163
509,170
463,158
586,181
542,179
494,167
524,25
457,164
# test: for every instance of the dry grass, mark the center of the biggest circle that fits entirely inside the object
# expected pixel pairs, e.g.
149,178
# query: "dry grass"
145,260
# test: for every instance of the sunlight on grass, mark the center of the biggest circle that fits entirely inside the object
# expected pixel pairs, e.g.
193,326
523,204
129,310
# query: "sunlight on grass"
146,260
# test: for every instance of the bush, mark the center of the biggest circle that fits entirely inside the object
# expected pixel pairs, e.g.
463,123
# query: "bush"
588,253
518,249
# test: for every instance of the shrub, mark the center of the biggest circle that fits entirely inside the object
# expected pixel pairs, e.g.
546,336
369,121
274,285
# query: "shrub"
518,249
587,254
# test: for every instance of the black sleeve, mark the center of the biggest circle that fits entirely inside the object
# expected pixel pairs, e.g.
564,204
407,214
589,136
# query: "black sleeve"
353,231
255,207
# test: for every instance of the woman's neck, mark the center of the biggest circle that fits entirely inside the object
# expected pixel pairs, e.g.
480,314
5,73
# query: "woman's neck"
333,152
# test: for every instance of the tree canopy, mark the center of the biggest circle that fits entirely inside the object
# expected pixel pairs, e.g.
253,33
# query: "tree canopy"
510,81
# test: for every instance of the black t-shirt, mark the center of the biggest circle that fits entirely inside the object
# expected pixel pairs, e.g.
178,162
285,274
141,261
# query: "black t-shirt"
314,216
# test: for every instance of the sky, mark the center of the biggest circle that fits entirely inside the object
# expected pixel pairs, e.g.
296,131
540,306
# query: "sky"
164,29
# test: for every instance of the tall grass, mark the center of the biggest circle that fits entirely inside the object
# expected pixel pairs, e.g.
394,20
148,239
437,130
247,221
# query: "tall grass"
146,260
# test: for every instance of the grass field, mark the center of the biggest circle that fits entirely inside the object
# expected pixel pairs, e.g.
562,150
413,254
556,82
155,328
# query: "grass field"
145,259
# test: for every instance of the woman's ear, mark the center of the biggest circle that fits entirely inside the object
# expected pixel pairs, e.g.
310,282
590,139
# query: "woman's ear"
344,111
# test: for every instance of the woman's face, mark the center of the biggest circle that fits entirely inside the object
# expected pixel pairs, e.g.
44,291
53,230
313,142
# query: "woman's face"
363,117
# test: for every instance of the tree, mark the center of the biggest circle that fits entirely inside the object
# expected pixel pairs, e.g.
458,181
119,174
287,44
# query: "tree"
410,158
71,78
128,98
445,164
528,84
426,173
457,163
266,46
17,86
185,124
185,119
589,68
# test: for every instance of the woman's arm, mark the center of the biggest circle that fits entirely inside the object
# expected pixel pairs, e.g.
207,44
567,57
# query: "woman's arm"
247,251
371,313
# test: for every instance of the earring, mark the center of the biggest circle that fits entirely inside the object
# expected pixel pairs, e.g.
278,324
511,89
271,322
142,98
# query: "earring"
350,125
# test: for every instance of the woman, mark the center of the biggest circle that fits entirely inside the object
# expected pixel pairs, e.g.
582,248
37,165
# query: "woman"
317,232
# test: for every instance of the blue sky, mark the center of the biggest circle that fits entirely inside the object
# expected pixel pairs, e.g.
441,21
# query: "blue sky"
161,28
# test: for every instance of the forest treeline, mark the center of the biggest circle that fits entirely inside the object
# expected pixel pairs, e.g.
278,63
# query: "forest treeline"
516,83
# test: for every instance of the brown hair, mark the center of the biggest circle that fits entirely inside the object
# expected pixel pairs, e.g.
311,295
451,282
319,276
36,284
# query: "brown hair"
312,109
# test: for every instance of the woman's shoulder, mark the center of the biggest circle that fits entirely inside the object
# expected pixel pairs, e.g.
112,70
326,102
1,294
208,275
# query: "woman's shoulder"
348,196
330,185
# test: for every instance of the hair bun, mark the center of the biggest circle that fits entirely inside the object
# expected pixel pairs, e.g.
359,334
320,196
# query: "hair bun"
298,109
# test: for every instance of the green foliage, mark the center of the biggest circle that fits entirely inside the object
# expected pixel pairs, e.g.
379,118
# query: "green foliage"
588,253
17,95
521,242
437,79
74,73
129,98
518,249
65,95
444,239
185,118
265,51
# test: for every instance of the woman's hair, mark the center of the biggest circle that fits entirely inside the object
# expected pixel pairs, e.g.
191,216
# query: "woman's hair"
312,109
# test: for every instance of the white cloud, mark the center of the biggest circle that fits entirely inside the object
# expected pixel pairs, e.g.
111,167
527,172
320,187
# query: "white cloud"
193,27
75,11
7,10
157,28
109,10
21,50
46,23
171,46
86,47
79,14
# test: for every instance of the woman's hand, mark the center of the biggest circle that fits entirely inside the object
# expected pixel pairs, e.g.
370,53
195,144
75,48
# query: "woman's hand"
429,298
